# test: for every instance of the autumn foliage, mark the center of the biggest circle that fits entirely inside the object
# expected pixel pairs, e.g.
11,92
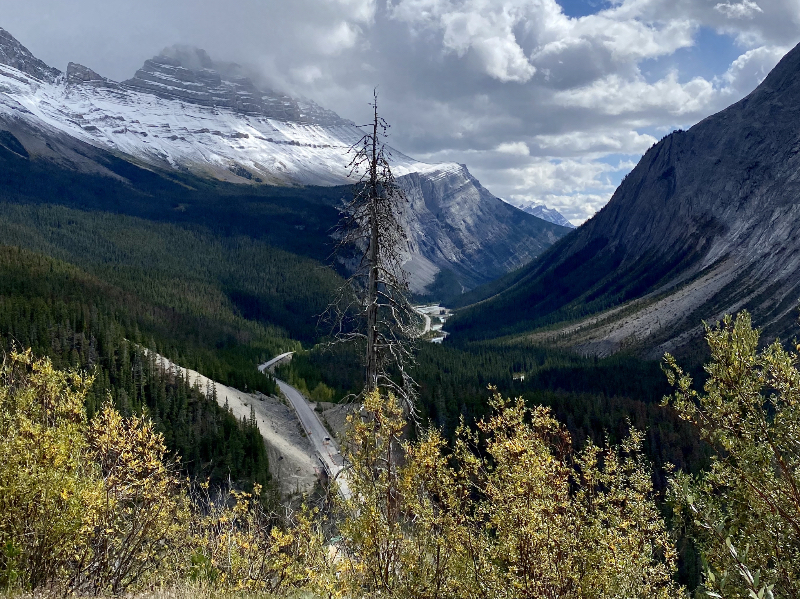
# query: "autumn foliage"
509,509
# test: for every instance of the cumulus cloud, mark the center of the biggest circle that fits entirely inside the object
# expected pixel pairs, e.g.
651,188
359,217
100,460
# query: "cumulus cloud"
484,27
596,144
750,69
519,148
576,188
616,96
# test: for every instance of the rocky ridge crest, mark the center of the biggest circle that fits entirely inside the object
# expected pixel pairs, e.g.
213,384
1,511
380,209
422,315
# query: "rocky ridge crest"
189,75
14,54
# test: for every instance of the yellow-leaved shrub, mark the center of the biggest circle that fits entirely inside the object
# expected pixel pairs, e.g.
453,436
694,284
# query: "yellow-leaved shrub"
744,512
512,511
48,486
83,506
236,544
97,507
509,510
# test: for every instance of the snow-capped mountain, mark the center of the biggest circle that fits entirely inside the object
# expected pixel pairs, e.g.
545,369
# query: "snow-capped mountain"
549,214
181,111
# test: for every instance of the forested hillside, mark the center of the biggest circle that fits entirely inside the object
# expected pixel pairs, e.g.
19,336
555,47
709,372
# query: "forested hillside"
79,321
217,278
297,219
596,399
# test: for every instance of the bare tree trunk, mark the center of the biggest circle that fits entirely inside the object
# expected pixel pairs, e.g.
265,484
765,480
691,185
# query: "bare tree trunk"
372,285
373,307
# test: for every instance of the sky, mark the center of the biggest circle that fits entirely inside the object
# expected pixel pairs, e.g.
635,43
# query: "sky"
547,102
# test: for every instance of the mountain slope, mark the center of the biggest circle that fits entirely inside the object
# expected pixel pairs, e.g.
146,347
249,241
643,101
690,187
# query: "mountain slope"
706,223
184,114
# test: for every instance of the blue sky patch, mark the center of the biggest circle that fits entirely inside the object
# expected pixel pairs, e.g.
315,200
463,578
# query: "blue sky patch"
582,8
709,57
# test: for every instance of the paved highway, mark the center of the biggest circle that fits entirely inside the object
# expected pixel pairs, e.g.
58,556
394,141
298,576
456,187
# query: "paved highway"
270,363
321,439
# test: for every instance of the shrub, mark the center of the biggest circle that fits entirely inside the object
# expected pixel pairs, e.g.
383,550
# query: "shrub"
744,513
84,506
510,512
48,487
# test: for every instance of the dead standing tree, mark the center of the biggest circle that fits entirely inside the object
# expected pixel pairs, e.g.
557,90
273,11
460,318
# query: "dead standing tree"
373,306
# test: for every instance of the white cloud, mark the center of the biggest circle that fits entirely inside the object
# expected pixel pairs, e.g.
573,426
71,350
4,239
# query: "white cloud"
343,36
615,95
741,10
520,148
750,69
362,11
596,143
575,187
307,74
533,101
484,27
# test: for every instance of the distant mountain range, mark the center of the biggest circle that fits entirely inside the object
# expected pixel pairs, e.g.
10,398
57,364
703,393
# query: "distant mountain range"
707,223
184,114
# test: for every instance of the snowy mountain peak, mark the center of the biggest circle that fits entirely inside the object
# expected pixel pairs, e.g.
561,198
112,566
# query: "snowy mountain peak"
190,75
182,111
549,214
14,54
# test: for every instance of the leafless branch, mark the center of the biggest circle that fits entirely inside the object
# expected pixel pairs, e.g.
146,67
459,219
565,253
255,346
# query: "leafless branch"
372,306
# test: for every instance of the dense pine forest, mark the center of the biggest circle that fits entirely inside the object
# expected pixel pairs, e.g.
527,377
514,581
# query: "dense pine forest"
220,304
598,400
80,322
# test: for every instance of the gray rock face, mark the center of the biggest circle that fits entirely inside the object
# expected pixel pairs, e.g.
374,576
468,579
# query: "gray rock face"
455,223
14,54
189,74
77,74
707,223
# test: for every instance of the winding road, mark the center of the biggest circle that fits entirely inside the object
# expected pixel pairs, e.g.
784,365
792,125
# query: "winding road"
321,439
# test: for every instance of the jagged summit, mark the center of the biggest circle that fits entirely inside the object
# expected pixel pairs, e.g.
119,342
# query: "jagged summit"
189,74
549,214
14,54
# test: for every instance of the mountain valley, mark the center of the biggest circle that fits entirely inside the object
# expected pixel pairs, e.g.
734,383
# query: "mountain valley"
211,387
705,225
179,117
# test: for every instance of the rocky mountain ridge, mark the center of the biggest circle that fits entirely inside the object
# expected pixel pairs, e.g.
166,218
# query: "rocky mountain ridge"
549,214
706,224
14,54
180,114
